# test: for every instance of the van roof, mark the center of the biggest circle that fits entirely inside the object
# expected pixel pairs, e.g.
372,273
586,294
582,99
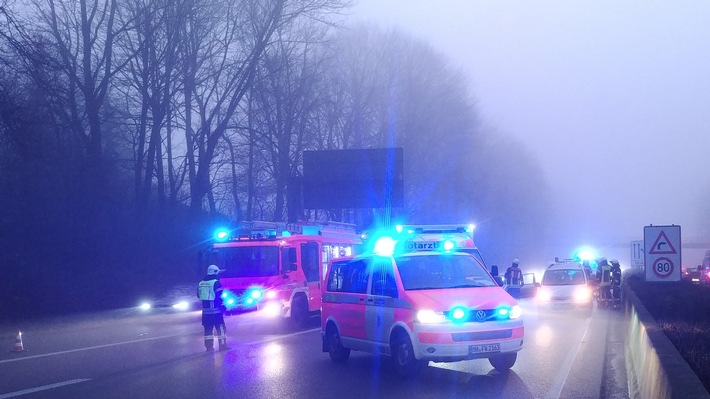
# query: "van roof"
565,266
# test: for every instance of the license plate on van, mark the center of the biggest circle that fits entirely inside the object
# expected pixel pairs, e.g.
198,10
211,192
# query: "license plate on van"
485,348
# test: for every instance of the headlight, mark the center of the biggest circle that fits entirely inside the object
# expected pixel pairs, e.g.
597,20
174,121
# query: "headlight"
255,294
509,312
145,306
430,316
515,312
583,294
544,295
270,294
183,305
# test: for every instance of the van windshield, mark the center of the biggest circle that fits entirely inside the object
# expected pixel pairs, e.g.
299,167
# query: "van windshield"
564,277
442,271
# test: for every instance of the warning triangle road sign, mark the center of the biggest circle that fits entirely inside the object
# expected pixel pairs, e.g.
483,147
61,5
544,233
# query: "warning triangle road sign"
662,245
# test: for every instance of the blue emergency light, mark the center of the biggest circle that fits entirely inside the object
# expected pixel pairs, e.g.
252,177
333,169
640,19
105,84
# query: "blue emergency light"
221,234
385,246
449,245
458,313
585,254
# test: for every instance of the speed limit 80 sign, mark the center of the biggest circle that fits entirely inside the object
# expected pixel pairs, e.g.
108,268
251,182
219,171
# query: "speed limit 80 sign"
662,253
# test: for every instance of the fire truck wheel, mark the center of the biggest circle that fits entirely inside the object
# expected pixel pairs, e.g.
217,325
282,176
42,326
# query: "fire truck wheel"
299,311
338,353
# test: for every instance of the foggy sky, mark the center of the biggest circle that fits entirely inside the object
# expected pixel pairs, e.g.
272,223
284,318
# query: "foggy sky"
611,97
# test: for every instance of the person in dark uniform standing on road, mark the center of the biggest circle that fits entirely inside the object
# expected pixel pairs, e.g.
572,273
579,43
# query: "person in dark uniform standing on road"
209,290
615,280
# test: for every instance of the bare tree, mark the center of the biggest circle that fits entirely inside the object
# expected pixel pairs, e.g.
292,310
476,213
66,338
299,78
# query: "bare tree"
83,35
148,86
220,72
285,100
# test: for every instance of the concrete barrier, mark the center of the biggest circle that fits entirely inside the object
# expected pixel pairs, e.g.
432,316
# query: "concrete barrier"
654,367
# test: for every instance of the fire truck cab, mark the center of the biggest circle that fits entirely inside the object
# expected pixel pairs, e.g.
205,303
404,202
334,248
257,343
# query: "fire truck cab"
277,268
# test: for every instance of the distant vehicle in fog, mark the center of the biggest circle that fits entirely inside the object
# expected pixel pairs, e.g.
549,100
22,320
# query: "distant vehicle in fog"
697,275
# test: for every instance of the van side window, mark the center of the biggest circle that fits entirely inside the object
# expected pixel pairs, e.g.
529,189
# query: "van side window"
348,276
383,282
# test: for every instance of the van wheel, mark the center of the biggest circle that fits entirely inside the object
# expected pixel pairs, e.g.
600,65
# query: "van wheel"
503,362
338,353
405,363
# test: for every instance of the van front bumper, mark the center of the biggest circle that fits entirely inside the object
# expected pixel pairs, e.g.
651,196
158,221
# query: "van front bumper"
452,342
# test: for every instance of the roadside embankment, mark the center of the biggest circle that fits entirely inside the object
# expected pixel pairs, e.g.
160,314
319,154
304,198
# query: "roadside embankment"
655,368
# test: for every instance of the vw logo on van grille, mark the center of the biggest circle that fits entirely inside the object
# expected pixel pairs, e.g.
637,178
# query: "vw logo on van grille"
474,315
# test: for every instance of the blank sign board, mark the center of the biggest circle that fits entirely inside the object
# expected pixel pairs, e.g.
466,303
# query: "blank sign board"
372,178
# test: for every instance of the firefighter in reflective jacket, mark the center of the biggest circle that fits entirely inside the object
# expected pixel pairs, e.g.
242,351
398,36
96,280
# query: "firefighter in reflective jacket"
514,277
604,278
209,290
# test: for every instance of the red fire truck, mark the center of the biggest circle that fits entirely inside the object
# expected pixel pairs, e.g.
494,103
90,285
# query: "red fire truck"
277,268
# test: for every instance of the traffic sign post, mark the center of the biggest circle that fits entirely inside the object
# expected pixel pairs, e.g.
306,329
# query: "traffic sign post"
662,254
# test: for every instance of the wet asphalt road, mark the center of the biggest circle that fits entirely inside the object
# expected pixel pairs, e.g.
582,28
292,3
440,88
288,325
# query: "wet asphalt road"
126,354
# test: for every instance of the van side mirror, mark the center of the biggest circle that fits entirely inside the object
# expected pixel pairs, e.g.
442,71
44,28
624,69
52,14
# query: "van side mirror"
494,270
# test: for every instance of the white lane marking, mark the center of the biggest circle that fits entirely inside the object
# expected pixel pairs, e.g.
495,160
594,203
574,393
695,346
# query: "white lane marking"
144,340
96,347
274,338
561,377
42,388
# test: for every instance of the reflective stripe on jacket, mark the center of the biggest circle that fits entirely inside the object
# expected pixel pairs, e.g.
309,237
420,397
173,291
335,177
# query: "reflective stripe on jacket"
515,277
606,275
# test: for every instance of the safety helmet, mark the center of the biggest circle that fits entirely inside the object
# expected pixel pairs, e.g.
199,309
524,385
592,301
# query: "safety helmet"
614,261
515,261
213,270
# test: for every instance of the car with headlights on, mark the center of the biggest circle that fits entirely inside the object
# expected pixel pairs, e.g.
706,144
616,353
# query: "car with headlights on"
565,286
418,306
177,299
